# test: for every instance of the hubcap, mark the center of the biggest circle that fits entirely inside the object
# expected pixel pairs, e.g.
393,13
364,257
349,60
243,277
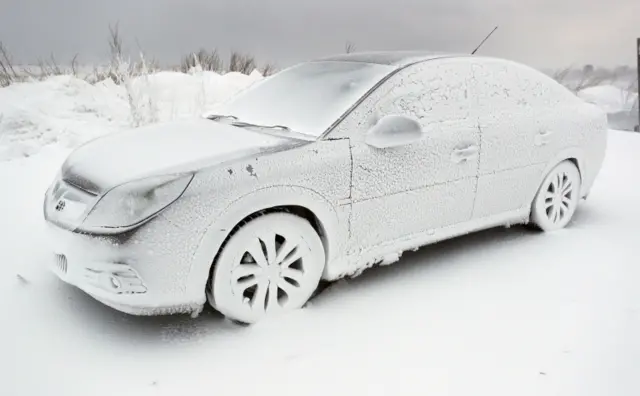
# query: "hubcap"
558,202
270,272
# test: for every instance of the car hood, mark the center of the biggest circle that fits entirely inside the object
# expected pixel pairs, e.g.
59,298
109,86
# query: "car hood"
181,146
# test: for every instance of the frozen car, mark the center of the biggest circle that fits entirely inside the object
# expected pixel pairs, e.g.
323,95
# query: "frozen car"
318,172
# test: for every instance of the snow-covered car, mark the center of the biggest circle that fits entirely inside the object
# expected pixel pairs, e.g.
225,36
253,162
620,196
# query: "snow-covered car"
318,172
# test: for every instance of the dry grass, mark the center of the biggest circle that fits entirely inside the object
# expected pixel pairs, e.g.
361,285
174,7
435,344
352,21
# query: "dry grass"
241,63
349,47
561,75
8,73
202,60
577,79
205,60
268,69
120,66
142,106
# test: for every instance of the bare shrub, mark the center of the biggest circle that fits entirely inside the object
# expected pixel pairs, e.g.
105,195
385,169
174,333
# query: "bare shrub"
8,74
135,79
98,74
268,69
49,67
146,102
116,64
134,76
561,75
590,78
202,60
115,42
241,63
577,79
74,65
349,47
120,67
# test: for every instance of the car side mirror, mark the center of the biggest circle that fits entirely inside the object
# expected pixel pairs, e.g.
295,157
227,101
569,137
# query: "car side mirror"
394,131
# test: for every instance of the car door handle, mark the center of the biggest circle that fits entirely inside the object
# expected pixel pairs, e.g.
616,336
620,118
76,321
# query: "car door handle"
464,154
542,138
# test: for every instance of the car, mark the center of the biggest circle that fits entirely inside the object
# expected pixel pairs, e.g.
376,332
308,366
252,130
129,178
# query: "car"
318,172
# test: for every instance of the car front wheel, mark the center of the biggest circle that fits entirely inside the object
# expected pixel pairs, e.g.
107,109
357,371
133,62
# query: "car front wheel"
557,198
272,263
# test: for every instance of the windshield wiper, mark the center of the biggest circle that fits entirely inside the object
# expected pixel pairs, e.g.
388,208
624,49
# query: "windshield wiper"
242,124
288,131
216,117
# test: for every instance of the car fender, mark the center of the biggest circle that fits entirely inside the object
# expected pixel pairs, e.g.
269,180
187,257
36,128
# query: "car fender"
263,199
576,153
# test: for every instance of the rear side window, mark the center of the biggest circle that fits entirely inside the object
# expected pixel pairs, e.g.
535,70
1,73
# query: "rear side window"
499,83
545,90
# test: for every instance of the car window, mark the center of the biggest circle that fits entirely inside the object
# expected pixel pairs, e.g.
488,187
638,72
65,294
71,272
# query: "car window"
435,91
306,98
499,84
432,91
546,91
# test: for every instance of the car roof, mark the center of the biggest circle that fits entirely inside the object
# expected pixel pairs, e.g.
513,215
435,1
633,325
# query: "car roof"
392,58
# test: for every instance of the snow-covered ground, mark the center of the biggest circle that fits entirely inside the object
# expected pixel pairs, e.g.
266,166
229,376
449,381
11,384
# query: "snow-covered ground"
69,111
501,312
620,104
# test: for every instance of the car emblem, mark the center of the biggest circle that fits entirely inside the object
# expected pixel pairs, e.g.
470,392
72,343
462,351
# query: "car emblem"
60,205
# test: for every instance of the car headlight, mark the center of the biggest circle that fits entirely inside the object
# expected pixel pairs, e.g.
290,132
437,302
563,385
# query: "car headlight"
133,203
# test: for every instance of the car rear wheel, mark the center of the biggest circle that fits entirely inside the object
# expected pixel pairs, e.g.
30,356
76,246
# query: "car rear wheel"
558,197
271,264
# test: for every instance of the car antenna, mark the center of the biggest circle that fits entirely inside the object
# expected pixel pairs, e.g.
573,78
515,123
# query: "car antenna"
483,41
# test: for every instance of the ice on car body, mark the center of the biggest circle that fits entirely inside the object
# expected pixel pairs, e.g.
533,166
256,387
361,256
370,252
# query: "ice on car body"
380,153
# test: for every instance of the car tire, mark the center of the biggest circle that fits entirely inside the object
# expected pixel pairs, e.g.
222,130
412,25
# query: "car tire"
557,198
271,264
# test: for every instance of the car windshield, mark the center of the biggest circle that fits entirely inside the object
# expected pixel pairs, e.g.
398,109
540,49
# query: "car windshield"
307,98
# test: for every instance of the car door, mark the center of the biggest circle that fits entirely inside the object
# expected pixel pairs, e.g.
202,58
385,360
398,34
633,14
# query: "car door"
403,191
514,111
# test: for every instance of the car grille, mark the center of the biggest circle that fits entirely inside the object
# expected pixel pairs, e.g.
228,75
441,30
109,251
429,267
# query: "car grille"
61,263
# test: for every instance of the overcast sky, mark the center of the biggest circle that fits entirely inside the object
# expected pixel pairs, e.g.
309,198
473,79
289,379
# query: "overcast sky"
542,33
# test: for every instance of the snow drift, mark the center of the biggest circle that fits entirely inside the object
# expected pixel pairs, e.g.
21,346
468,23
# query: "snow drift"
620,104
70,111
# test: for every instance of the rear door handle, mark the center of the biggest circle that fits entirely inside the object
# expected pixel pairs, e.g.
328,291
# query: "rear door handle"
543,138
464,154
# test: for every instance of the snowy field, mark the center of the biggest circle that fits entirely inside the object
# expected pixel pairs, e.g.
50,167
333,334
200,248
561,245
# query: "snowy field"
620,104
502,312
68,111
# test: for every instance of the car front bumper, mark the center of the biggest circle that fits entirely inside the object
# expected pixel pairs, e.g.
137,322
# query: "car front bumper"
131,273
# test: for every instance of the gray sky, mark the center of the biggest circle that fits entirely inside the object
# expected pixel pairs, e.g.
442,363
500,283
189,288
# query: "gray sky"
542,33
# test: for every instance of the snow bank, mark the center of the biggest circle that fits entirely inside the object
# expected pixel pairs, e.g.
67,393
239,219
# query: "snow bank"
61,109
610,98
70,111
621,105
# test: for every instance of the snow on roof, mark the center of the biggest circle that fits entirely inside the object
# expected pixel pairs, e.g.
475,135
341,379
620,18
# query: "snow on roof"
394,58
